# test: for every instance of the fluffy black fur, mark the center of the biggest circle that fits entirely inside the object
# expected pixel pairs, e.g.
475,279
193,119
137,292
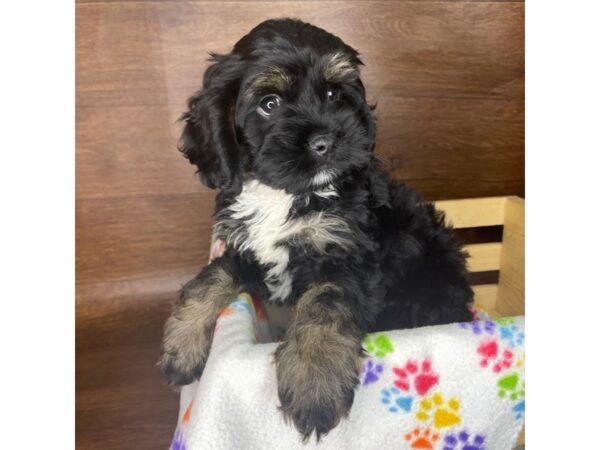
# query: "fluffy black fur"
396,262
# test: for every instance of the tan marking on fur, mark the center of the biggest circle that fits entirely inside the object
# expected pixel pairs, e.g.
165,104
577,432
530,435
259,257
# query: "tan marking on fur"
319,361
338,66
274,79
188,332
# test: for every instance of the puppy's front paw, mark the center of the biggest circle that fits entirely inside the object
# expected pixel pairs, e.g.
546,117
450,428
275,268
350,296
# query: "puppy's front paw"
185,345
315,391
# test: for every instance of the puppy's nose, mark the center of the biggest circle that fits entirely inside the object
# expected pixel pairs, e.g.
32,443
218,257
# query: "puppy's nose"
321,144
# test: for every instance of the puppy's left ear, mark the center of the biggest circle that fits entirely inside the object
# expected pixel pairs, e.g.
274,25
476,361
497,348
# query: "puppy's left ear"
209,139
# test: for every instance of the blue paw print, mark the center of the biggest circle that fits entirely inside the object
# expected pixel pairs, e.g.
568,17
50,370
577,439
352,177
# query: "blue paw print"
513,335
371,372
241,305
519,410
394,401
463,441
479,327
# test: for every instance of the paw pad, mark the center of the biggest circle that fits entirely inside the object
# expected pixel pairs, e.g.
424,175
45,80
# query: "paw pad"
519,410
444,414
187,414
392,398
511,386
241,305
178,443
512,335
422,378
489,352
419,438
521,360
371,372
479,327
504,321
463,441
378,345
226,312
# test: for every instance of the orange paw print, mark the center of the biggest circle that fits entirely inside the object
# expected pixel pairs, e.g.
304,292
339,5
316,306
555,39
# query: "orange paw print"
226,311
422,438
188,413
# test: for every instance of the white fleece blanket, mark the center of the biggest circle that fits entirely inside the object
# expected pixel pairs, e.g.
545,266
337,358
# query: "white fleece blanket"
449,387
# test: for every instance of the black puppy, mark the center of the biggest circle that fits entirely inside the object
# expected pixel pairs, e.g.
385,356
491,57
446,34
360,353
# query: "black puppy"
282,128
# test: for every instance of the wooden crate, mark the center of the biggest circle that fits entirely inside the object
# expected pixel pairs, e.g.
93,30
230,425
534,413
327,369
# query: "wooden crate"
507,298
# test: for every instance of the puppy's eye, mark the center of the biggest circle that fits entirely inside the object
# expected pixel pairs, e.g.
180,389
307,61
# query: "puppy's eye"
333,93
268,104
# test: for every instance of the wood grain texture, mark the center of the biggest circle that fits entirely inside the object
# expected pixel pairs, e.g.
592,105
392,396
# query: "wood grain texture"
485,296
511,292
121,400
484,257
155,53
288,1
448,80
132,237
476,212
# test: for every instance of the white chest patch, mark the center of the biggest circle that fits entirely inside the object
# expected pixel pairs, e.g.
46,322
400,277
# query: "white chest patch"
262,214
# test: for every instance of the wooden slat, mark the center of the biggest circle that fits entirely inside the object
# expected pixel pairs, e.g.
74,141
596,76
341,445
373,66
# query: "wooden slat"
484,257
511,285
485,295
474,212
493,313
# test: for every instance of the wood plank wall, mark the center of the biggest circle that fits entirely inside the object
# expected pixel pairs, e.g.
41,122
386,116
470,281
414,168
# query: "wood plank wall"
448,79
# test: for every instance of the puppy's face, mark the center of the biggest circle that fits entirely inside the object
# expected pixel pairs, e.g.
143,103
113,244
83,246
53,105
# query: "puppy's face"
292,98
304,119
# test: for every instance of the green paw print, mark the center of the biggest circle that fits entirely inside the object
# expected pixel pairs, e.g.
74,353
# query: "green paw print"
378,345
505,321
511,386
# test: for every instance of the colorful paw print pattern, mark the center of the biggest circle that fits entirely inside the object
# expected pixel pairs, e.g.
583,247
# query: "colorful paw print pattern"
422,438
511,386
479,327
241,305
519,409
504,321
372,371
501,349
420,377
395,400
521,360
178,442
463,441
187,414
443,413
378,345
512,335
492,356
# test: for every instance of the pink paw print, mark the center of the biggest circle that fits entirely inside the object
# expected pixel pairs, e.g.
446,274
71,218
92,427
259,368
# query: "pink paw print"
423,379
491,355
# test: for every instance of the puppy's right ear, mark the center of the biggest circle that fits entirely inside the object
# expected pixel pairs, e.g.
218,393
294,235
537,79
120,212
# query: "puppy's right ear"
208,139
